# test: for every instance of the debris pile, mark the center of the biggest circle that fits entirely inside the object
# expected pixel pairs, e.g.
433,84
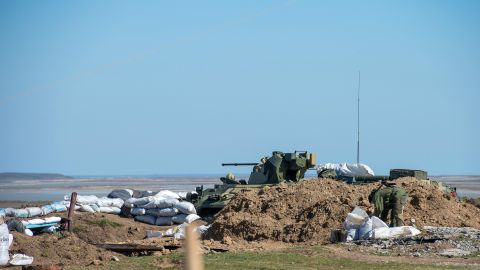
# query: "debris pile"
308,211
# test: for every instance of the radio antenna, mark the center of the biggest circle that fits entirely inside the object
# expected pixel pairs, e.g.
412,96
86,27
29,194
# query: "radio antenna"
358,119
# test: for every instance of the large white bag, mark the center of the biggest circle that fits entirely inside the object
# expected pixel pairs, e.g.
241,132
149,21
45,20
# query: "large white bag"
186,207
110,210
83,199
34,211
108,202
168,194
184,218
402,231
86,208
136,211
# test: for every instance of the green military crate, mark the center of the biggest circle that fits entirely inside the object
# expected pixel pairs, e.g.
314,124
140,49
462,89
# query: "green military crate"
398,173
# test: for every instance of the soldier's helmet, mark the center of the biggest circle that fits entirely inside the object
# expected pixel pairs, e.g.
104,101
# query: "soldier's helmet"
230,176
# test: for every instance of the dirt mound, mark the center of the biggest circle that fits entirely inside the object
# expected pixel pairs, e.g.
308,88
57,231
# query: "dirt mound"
308,211
66,250
78,248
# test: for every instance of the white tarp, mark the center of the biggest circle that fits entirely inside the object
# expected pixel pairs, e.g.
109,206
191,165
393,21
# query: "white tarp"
344,169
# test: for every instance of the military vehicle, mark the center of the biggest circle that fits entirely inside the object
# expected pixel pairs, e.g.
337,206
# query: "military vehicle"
278,168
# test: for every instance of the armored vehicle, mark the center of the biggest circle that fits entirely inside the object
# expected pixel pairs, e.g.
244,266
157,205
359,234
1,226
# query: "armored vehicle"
278,168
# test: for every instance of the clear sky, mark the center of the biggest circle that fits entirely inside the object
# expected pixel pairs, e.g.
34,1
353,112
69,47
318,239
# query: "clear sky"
166,87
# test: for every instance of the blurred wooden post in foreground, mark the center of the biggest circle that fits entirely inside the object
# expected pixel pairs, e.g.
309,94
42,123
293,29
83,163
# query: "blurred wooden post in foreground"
73,201
193,255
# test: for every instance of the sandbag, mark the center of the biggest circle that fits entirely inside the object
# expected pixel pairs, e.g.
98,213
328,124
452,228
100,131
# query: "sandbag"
20,213
146,219
83,199
95,207
168,194
402,231
185,207
4,244
52,219
139,201
160,203
162,212
9,212
365,230
110,210
36,221
142,193
34,211
164,221
378,223
108,202
86,208
137,211
2,212
184,218
47,209
59,207
123,194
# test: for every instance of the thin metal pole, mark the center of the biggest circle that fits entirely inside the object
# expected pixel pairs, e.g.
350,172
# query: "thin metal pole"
358,119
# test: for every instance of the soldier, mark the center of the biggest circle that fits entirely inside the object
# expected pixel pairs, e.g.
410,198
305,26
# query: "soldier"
389,198
397,200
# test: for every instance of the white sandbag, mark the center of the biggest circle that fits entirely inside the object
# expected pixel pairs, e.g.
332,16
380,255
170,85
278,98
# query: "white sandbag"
36,221
20,213
21,259
108,202
95,207
83,199
28,232
344,169
160,202
53,219
9,212
378,223
137,211
184,218
123,194
59,207
139,201
164,221
4,244
110,210
86,208
47,209
162,212
402,231
34,211
185,207
182,195
146,219
167,194
365,230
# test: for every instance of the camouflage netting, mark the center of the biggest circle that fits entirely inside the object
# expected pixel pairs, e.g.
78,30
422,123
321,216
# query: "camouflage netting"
308,211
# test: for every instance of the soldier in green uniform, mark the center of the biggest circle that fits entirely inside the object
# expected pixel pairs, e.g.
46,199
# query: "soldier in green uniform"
389,199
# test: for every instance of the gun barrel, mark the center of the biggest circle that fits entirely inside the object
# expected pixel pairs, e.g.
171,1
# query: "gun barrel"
239,164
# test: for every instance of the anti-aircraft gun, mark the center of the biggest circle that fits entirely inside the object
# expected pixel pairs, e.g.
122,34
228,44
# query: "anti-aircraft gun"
278,168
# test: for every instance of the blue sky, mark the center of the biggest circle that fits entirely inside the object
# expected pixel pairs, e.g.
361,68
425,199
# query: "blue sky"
141,87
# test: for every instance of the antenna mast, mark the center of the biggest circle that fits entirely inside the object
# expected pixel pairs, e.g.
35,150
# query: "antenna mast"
358,119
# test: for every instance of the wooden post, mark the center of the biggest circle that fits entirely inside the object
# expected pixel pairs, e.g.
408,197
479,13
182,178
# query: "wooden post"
73,201
193,256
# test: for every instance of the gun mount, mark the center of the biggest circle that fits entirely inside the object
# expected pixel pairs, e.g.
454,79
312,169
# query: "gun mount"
278,168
